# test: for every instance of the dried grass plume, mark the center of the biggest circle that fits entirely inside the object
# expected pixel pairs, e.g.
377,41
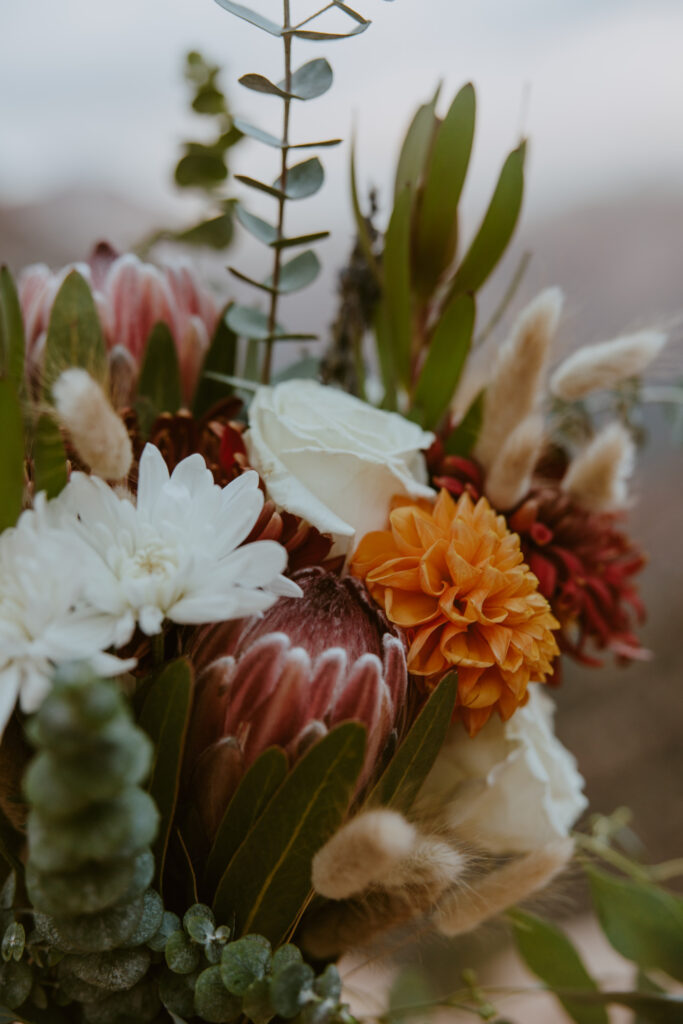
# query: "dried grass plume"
97,433
510,475
362,853
596,367
597,479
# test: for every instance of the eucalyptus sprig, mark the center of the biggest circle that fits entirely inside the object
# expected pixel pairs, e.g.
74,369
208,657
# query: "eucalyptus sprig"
296,181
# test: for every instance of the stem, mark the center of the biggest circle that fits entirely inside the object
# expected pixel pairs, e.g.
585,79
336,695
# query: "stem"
637,872
277,259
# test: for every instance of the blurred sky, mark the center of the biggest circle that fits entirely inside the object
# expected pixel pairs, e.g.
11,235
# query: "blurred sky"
91,90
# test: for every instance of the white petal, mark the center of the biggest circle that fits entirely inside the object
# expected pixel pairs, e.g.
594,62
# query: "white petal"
9,689
152,475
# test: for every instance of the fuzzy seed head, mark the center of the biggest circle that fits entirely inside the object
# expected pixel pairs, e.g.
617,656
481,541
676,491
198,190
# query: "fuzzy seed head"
362,853
433,866
516,386
598,477
510,475
97,433
596,367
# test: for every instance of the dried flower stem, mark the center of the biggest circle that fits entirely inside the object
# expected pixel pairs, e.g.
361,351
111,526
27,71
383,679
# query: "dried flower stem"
277,257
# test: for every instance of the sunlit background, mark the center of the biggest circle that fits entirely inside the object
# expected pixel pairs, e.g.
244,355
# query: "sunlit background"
93,110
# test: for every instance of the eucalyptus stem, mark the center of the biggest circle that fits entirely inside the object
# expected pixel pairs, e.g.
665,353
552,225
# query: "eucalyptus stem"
277,257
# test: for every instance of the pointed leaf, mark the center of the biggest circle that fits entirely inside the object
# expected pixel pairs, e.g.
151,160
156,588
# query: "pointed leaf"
437,226
361,223
315,145
260,186
255,226
220,359
310,80
550,955
49,458
448,351
269,878
259,784
11,454
165,718
416,147
401,780
159,380
298,273
287,243
74,334
325,37
259,83
351,13
250,280
248,323
11,330
396,293
303,179
257,133
253,17
385,355
497,227
463,438
642,921
215,232
201,169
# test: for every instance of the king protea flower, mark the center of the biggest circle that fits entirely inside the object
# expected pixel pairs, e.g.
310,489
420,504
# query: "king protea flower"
131,297
284,678
453,577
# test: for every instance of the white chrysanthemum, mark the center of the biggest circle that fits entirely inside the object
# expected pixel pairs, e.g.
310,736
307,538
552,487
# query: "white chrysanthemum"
43,622
176,554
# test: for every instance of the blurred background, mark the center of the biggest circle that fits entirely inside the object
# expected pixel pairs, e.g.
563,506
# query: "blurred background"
93,112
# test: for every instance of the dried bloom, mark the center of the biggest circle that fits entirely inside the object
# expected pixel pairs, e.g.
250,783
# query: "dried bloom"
287,676
97,433
453,578
515,388
510,475
605,365
431,866
362,853
585,565
131,297
496,891
176,554
598,477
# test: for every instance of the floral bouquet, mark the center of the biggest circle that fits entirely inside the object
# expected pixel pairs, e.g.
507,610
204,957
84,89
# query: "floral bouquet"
277,649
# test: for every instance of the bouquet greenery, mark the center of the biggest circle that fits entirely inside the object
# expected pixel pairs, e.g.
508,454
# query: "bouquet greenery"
275,650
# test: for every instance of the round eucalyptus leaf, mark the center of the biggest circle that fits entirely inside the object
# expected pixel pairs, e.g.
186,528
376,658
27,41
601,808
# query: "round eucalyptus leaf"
182,955
244,962
291,988
199,922
212,1001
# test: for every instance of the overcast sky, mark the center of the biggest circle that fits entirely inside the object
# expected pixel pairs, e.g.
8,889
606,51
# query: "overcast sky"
92,92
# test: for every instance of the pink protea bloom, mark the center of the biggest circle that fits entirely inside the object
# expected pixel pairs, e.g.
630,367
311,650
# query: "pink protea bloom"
286,677
131,297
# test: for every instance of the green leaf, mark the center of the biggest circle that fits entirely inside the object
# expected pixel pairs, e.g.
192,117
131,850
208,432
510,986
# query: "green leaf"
209,100
497,227
49,457
269,878
11,454
260,229
202,168
323,37
220,358
642,921
550,955
657,1009
248,323
307,368
165,717
361,223
291,989
416,147
437,225
310,80
245,961
11,330
159,380
262,286
216,232
400,782
74,334
396,294
288,243
211,999
261,781
463,438
448,351
303,180
260,186
253,17
298,273
259,83
254,132
385,355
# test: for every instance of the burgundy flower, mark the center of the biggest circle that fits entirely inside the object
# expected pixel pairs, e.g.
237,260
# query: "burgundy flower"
287,677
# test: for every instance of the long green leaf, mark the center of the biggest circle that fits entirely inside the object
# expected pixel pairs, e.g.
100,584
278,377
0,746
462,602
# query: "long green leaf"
463,438
400,782
259,784
643,922
496,229
269,878
253,17
74,334
11,330
49,457
551,956
11,454
159,380
220,358
448,351
656,1009
437,224
416,146
396,293
165,718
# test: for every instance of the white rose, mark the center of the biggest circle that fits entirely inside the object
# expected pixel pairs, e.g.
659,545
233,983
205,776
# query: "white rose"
332,459
512,788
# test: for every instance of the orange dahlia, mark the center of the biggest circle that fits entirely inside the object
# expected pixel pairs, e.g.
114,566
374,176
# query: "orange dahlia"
453,578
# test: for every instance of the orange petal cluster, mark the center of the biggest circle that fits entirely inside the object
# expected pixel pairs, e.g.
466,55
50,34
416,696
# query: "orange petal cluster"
453,578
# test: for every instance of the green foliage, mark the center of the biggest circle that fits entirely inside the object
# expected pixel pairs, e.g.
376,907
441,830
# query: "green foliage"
220,358
159,389
74,334
11,331
446,357
11,454
462,438
268,880
49,457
